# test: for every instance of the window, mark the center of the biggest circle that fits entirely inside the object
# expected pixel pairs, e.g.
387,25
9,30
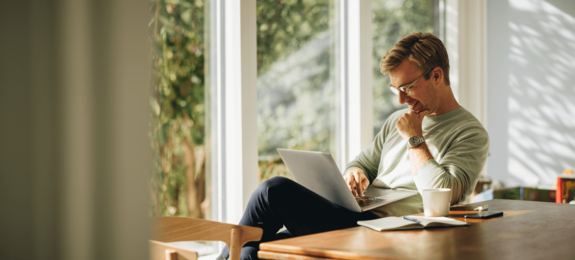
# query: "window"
300,101
296,86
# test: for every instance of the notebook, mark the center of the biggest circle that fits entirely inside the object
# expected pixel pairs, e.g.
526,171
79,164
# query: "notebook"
398,223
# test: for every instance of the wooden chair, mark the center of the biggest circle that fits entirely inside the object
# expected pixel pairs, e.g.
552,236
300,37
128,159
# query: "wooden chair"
173,229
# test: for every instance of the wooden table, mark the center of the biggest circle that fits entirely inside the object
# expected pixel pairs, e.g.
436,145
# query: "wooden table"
528,230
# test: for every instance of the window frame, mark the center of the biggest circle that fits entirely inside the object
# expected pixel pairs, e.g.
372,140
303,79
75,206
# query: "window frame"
233,64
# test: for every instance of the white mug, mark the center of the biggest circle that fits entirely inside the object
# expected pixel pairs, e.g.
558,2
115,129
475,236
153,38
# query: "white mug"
436,202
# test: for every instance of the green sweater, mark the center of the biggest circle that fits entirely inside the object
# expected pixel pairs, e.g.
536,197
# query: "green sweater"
459,145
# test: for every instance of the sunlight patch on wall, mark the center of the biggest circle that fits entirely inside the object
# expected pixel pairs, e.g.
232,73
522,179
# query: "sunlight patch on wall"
541,99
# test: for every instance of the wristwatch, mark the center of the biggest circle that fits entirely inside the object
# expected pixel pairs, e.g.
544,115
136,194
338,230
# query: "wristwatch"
415,141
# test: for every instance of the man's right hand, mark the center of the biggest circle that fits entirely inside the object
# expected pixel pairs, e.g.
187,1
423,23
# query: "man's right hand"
356,181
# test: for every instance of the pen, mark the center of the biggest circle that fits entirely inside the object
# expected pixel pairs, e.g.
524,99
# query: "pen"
411,219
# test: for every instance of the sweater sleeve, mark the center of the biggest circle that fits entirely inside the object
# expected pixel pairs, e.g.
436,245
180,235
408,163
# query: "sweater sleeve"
368,160
459,168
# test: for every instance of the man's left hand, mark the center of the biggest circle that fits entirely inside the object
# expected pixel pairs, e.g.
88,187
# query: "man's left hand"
410,124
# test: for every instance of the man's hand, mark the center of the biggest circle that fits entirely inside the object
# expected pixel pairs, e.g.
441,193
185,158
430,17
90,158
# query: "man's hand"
410,124
356,181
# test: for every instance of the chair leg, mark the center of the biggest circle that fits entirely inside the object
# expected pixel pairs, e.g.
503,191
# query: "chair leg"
235,246
171,255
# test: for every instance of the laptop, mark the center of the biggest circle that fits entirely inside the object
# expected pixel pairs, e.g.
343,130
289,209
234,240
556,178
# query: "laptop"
318,172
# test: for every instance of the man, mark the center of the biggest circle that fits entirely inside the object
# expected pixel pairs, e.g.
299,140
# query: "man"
435,143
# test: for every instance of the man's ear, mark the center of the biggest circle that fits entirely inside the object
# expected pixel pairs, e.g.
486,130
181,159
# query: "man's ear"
437,75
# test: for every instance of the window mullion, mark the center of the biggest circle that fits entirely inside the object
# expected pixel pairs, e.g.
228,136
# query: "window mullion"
356,80
235,102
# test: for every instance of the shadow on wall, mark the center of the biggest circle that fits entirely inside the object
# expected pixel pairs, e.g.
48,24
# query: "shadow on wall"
541,101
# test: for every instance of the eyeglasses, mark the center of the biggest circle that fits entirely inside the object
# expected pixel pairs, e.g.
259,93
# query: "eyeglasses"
407,89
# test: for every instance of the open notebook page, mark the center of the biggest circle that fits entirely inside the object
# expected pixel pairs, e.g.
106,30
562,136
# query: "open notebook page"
439,221
390,223
398,223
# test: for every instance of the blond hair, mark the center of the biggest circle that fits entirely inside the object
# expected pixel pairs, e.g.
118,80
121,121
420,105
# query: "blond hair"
422,48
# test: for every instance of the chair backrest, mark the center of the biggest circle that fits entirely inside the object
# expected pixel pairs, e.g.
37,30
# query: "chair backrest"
173,229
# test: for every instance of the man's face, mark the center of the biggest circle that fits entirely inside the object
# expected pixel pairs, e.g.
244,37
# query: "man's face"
423,93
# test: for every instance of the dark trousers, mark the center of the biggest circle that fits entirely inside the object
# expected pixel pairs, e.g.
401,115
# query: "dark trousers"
280,202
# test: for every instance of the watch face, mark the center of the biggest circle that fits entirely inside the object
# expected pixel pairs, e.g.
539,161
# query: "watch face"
415,141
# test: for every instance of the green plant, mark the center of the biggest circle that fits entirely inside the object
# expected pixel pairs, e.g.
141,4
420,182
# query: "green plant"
272,167
296,94
178,181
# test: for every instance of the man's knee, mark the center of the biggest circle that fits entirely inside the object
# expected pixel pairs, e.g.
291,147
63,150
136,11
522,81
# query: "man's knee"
276,183
273,183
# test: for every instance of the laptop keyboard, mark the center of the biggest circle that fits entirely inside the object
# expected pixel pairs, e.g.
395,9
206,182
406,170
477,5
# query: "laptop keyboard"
366,201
